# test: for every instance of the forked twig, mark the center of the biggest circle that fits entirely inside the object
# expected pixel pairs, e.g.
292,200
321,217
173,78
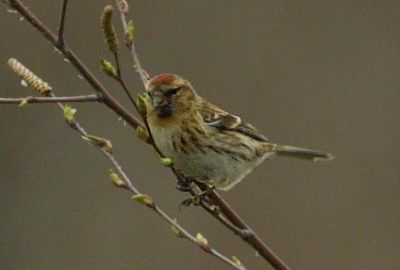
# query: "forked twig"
108,99
61,38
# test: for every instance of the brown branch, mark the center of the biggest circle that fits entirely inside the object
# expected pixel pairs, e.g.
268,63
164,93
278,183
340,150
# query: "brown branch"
216,212
31,99
60,37
129,185
252,238
108,99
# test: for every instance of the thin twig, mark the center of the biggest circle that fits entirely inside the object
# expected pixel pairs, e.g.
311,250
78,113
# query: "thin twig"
206,248
121,81
252,238
32,99
221,218
60,38
182,231
130,186
109,100
142,73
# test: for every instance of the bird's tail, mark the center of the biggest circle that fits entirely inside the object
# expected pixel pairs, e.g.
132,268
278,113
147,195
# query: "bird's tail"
298,152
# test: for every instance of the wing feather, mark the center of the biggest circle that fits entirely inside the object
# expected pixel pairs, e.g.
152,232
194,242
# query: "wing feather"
218,118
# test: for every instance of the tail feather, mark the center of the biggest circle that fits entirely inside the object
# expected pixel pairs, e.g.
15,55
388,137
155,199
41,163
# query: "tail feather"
298,152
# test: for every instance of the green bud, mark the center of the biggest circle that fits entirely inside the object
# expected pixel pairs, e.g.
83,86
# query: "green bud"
108,68
200,239
142,103
144,199
236,261
115,179
101,142
203,242
175,230
69,113
166,161
24,103
142,133
130,30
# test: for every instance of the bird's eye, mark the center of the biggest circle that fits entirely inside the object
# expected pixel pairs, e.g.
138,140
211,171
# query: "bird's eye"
173,91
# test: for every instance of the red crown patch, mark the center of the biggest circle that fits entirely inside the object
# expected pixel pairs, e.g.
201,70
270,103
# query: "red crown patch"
163,79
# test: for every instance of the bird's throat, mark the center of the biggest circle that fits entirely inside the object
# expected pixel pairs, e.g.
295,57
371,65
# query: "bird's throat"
164,111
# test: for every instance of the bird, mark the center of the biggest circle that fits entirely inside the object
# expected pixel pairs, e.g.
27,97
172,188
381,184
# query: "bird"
205,142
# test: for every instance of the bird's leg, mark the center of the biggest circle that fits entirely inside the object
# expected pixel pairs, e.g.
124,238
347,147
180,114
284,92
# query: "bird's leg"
187,184
197,198
184,183
184,186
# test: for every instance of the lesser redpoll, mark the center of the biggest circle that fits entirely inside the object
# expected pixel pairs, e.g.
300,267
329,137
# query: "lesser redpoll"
205,142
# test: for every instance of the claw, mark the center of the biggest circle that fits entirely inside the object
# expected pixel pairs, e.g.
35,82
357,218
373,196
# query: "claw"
186,203
197,199
194,200
184,186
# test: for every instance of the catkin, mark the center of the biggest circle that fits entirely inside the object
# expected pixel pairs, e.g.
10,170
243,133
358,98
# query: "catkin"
109,29
33,81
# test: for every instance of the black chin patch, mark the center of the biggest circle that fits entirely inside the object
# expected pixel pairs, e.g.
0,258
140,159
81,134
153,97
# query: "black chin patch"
164,111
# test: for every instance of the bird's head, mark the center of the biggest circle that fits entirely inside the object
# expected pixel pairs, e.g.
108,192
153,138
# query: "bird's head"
170,95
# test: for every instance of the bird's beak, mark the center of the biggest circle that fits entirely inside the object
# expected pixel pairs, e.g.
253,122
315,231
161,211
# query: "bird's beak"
158,101
161,105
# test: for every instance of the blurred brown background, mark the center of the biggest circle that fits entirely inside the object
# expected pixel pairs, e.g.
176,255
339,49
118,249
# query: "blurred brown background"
320,74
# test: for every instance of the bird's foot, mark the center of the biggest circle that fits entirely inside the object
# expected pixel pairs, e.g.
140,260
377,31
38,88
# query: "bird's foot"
184,184
197,199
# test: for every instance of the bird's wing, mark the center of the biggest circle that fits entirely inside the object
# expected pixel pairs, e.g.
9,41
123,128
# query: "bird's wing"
218,118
